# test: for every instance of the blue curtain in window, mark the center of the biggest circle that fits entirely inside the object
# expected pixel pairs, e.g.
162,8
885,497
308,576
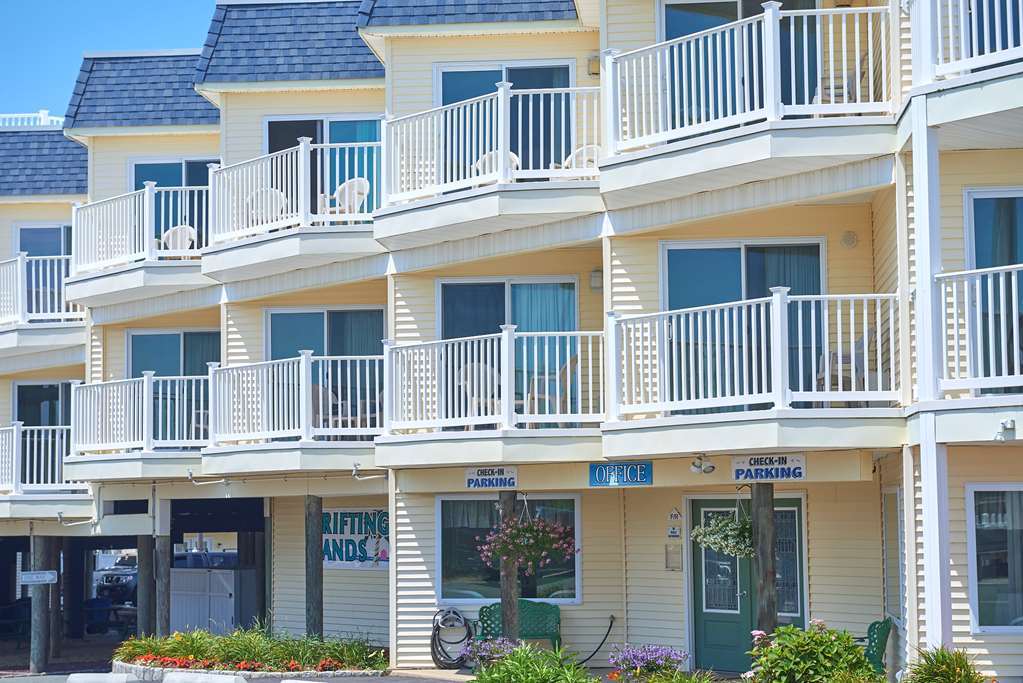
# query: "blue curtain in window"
201,348
294,332
998,241
471,309
541,363
355,333
160,353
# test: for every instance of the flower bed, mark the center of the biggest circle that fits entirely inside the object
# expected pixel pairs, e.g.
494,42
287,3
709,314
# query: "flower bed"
249,652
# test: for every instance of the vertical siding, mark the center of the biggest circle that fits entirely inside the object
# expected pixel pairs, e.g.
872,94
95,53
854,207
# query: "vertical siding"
243,323
14,215
414,314
355,602
243,115
111,158
412,60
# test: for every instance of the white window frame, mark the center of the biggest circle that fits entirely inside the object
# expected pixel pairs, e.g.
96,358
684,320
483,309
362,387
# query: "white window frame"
180,331
438,545
662,4
742,243
971,554
508,282
323,119
970,194
439,68
899,547
34,383
268,312
21,226
182,160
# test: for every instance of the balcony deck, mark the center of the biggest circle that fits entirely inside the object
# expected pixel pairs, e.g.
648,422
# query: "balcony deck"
33,483
34,312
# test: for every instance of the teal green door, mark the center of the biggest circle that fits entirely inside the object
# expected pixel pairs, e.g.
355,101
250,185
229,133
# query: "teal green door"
724,598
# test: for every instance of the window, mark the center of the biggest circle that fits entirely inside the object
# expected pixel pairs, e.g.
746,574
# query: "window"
353,332
995,526
283,134
472,308
45,240
464,576
43,405
172,354
893,547
175,173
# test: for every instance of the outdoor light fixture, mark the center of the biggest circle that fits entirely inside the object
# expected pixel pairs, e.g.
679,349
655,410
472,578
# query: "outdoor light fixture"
701,466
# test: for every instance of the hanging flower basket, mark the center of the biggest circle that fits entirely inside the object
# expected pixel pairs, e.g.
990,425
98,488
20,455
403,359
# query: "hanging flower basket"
530,544
726,535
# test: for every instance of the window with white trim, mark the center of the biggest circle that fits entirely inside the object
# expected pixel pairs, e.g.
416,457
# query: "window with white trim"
463,522
996,524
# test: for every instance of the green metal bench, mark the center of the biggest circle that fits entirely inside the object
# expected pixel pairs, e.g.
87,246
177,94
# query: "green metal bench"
876,643
537,621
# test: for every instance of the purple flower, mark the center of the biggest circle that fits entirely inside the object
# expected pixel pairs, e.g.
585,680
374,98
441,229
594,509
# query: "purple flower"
480,652
635,660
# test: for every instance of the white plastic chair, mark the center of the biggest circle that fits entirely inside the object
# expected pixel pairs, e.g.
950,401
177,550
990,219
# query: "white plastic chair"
178,238
584,157
842,362
488,163
265,205
348,198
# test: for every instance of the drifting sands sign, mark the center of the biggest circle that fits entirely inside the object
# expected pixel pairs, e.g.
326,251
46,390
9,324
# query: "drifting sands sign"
768,468
356,538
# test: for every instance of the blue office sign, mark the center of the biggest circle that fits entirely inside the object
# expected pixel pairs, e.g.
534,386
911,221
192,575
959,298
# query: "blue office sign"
614,475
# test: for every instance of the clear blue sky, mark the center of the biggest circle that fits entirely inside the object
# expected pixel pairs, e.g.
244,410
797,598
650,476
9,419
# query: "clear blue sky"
42,41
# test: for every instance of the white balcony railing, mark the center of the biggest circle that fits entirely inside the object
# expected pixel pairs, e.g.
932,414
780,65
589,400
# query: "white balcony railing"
973,34
32,459
140,414
768,67
306,185
146,225
32,290
503,380
308,398
776,350
36,119
507,135
983,349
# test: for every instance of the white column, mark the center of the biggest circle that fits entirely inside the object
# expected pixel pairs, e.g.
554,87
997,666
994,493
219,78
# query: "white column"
17,470
386,161
780,346
934,515
388,406
613,371
22,275
212,219
508,376
924,28
304,182
305,394
149,221
927,228
147,411
504,169
211,407
610,100
772,59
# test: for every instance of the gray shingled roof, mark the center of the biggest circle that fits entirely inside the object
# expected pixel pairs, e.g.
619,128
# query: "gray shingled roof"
34,162
138,90
419,12
287,41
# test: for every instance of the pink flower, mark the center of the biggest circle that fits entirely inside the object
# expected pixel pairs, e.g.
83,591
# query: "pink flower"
758,636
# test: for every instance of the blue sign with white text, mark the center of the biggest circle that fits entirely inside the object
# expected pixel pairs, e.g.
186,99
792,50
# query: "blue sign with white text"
639,473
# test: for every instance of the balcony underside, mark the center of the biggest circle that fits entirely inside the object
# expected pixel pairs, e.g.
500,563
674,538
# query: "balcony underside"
986,420
134,282
289,456
287,250
46,505
741,155
485,210
489,447
27,338
768,431
132,466
971,113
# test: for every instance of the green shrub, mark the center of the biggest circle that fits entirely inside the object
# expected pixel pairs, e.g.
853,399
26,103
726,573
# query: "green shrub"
253,649
942,666
814,655
530,664
682,677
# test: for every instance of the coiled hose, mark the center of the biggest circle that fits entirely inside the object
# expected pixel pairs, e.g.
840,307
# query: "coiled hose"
447,619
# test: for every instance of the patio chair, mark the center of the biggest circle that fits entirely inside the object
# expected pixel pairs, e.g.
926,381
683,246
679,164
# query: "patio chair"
581,158
178,238
264,205
553,393
488,163
347,199
478,385
840,367
875,643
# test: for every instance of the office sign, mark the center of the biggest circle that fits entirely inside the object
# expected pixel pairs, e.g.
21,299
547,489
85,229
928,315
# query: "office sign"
494,478
38,578
356,538
767,468
614,475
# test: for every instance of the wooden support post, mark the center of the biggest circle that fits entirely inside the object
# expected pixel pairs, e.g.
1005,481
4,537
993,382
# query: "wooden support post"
74,587
509,578
146,587
762,512
314,566
259,563
267,554
56,610
164,560
39,646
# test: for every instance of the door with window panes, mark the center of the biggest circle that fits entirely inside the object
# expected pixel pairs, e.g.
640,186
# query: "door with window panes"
185,208
48,261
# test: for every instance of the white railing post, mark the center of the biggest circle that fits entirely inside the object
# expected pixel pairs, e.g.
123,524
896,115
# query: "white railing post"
75,238
211,204
388,405
613,372
149,221
926,46
504,132
386,165
16,469
610,99
508,376
211,411
780,346
305,176
772,60
305,394
22,276
147,411
75,386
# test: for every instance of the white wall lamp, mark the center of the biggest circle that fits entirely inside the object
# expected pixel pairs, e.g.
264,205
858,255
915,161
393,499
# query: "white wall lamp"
701,465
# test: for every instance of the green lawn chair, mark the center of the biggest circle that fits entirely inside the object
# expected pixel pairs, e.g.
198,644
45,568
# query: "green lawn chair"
876,643
537,621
